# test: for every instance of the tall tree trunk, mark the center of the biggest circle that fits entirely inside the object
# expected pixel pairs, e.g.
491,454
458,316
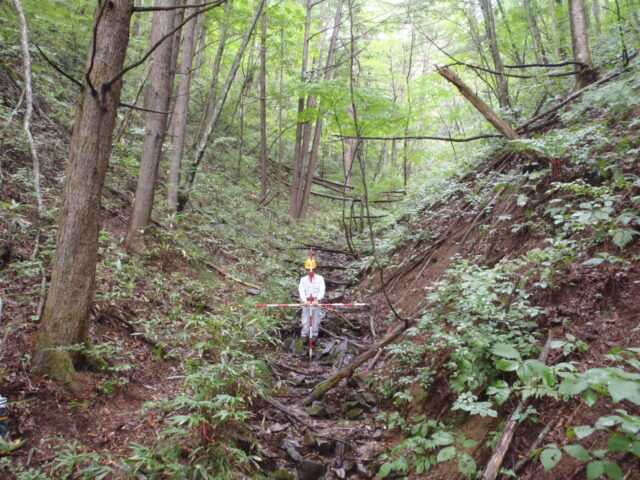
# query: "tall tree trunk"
181,111
66,313
313,158
217,110
215,74
264,154
580,42
157,99
405,143
597,14
502,90
554,28
536,38
298,153
178,17
516,53
281,101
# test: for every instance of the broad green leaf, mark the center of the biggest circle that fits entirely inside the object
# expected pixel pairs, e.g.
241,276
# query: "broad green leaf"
507,365
619,443
505,350
442,438
613,470
550,458
578,451
466,464
582,431
590,397
595,469
446,454
572,386
468,443
385,469
621,389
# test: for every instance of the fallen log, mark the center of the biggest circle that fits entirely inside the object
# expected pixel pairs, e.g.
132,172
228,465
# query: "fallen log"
495,462
231,277
487,112
321,389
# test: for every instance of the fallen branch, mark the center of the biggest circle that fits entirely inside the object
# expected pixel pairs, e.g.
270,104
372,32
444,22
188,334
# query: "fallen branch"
320,390
291,416
422,137
565,101
495,462
231,277
334,335
534,446
323,249
133,331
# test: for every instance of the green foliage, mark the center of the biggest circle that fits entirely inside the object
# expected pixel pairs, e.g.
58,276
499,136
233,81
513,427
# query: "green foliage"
417,452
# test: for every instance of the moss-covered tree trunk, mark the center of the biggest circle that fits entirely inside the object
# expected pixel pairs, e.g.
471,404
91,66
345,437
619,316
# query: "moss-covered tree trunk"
66,313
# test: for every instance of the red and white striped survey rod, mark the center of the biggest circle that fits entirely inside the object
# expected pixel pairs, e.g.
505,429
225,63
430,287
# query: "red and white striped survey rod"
320,304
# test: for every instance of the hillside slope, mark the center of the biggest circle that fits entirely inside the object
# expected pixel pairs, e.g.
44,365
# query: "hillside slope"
516,252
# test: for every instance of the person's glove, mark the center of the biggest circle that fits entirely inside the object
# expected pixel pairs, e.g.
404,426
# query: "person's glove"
315,303
306,304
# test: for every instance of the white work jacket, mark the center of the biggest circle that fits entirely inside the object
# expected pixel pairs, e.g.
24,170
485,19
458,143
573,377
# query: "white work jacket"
308,287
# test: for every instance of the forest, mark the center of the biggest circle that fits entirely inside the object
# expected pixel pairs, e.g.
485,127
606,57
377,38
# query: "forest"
319,239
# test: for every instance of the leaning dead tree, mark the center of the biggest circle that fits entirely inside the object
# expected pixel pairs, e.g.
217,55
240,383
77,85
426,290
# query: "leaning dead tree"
487,112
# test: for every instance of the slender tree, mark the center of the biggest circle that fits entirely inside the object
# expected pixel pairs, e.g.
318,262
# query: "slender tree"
502,89
536,37
296,179
181,110
264,154
156,102
216,109
313,156
66,313
580,42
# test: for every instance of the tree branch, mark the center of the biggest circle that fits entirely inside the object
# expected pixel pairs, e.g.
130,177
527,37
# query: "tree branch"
211,6
175,7
512,75
543,65
57,68
142,109
421,137
565,101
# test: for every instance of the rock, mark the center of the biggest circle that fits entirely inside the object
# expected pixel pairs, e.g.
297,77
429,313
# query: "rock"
320,410
310,470
339,473
309,439
326,350
290,446
278,427
282,474
298,347
354,413
363,471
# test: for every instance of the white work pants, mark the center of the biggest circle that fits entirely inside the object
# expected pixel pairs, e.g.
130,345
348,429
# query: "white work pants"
317,316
